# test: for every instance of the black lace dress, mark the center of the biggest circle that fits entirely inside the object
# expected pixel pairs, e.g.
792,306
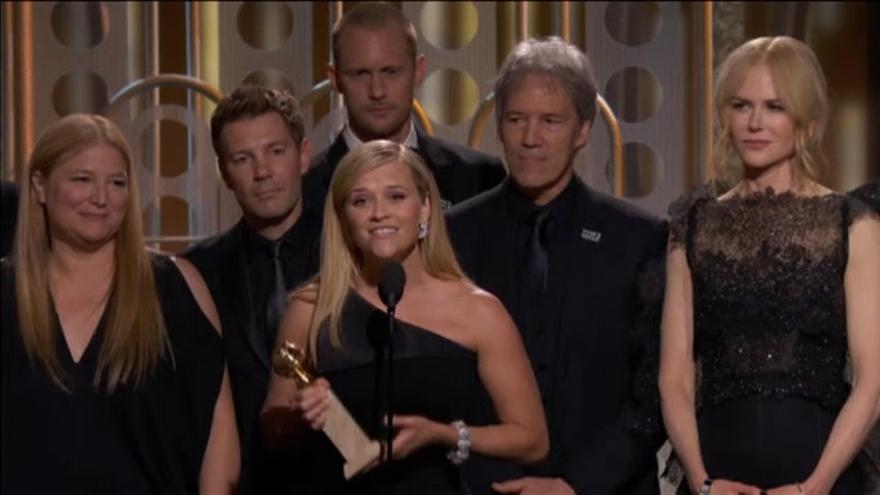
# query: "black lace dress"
769,329
433,377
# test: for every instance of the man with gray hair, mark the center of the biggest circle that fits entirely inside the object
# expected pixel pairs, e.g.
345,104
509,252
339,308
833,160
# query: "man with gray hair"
582,274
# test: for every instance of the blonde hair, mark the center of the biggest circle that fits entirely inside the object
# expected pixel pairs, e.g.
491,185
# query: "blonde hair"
134,336
800,83
341,262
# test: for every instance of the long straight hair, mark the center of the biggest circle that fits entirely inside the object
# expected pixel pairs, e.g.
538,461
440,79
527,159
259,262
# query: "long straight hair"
798,79
341,262
134,337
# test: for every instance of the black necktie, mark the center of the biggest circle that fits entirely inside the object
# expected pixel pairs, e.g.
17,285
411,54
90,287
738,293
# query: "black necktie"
535,281
278,297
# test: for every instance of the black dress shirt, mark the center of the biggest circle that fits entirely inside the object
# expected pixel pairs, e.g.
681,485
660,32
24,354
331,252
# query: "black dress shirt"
535,313
298,261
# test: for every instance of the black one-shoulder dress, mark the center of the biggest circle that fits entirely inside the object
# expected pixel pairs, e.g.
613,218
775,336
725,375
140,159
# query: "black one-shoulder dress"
433,377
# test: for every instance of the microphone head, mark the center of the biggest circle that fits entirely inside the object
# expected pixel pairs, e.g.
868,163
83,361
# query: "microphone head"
392,279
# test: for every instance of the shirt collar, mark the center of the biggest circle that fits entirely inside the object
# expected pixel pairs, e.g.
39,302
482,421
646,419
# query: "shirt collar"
255,243
561,207
353,142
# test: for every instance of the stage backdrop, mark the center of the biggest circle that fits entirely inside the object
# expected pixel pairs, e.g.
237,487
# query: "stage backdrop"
157,67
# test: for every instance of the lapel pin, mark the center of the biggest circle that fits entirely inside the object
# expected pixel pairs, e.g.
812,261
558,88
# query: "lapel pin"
590,235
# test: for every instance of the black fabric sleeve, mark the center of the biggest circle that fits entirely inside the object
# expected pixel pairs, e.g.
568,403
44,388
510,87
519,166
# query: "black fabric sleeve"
622,458
168,418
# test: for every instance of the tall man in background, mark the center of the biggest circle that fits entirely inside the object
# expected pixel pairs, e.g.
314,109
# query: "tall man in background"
582,275
258,137
377,67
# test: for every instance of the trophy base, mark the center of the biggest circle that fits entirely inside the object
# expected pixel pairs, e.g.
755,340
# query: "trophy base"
358,463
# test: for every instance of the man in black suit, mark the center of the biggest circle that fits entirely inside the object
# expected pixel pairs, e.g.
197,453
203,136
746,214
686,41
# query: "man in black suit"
377,68
8,214
261,152
582,275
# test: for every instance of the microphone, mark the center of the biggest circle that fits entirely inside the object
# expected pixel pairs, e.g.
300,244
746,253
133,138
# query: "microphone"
391,283
392,279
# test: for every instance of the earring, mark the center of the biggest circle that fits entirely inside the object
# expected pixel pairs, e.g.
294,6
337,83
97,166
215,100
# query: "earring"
423,230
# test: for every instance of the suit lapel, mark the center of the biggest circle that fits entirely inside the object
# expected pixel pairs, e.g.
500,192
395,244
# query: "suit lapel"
497,258
439,165
578,265
335,154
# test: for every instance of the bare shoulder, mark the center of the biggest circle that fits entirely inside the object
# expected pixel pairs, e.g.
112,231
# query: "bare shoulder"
485,312
298,315
864,236
301,305
484,301
866,224
199,289
307,293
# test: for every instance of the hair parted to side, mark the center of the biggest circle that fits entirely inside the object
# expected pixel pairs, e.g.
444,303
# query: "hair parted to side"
341,262
247,102
552,57
374,16
134,336
800,83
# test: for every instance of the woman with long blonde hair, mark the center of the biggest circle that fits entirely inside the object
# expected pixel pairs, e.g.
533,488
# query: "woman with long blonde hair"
461,371
769,286
112,370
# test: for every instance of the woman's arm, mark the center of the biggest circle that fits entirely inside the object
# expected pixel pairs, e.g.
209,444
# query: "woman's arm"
677,370
507,374
504,369
677,376
284,405
221,463
861,410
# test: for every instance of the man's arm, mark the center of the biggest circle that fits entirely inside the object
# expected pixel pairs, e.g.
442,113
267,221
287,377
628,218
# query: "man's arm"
625,450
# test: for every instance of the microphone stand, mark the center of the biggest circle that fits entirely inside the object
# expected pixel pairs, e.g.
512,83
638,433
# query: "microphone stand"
389,400
392,280
378,384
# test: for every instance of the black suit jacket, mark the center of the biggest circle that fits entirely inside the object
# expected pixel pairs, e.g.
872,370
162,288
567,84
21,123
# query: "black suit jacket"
8,214
603,417
460,172
220,260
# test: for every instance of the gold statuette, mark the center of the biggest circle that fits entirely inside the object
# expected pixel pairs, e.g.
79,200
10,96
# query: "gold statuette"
356,447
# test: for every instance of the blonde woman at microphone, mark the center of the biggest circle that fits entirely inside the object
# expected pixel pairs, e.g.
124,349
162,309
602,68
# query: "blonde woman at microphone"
461,373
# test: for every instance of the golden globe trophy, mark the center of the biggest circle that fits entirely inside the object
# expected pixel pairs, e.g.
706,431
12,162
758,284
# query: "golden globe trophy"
356,447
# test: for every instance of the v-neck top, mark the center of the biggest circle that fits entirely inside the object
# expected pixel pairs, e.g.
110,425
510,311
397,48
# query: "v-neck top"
148,438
